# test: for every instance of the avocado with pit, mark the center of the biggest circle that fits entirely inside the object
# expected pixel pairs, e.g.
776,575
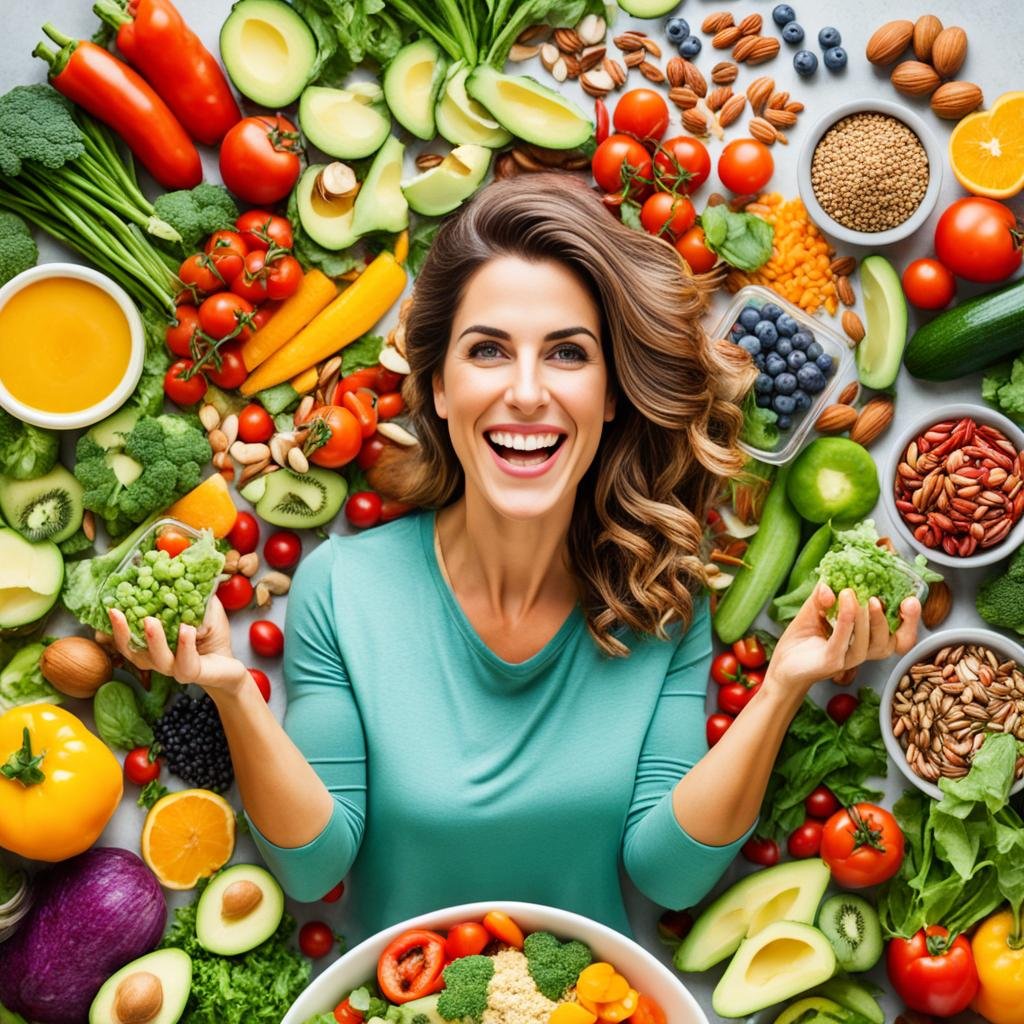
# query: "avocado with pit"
780,961
327,221
268,50
46,508
425,1006
460,119
154,988
529,110
238,910
786,892
380,203
346,123
412,82
448,185
301,500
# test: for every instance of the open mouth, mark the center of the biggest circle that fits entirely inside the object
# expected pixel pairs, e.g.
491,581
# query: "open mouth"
524,450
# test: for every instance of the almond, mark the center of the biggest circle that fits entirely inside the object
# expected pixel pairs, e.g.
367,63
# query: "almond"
836,419
695,79
683,97
717,97
758,92
726,37
949,50
853,325
845,290
795,107
956,99
889,41
425,161
652,72
567,40
744,48
724,73
651,46
731,110
937,605
778,99
592,29
762,130
913,78
779,118
716,22
675,72
764,50
521,52
849,394
615,71
597,82
872,421
635,58
751,25
926,28
628,42
695,122
591,57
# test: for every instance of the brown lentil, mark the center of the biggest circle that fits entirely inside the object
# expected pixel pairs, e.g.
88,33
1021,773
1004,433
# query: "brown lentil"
869,172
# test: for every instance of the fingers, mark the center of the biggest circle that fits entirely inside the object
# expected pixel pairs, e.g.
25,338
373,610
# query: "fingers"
861,639
881,642
122,640
906,634
842,631
159,653
187,663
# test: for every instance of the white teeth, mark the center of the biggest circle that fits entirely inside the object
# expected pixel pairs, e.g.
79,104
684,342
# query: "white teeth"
522,442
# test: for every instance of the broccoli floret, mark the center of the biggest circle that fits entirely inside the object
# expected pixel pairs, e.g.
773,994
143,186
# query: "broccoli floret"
36,124
25,451
198,212
421,1018
555,966
1000,600
465,988
18,250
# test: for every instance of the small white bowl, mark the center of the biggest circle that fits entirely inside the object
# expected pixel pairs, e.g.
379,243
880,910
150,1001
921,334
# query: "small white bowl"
1002,645
644,972
932,149
980,414
117,397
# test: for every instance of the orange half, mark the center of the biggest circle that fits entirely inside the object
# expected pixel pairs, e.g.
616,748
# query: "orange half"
986,150
187,836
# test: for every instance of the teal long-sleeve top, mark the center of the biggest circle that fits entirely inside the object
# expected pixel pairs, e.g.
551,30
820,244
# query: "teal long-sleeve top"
458,776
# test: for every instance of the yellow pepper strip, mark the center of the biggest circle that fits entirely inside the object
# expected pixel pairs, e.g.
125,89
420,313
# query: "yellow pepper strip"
571,1013
305,381
1000,998
59,784
402,247
620,1010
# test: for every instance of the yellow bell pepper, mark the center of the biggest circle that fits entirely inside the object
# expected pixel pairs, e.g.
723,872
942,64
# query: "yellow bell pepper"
1000,998
59,784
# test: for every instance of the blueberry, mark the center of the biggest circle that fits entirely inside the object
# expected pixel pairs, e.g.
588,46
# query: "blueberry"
763,385
802,399
805,63
763,401
826,364
835,58
764,331
750,344
689,47
796,359
784,404
784,346
737,332
793,33
759,361
774,365
801,340
677,29
829,37
785,384
769,311
749,318
783,14
786,325
810,378
784,422
814,350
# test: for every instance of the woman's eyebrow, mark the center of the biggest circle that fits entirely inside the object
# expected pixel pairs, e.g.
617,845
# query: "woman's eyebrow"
496,332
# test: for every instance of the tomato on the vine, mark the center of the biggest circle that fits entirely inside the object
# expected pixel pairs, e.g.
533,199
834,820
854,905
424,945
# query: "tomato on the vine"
745,166
979,239
927,284
139,768
283,549
667,215
179,335
184,392
262,681
251,283
345,437
362,509
284,275
681,164
726,668
266,638
750,652
227,249
235,593
232,372
259,158
841,706
692,248
759,850
244,536
315,939
263,313
255,424
642,113
805,841
862,845
224,313
622,165
716,727
200,272
260,228
821,803
465,939
734,697
931,974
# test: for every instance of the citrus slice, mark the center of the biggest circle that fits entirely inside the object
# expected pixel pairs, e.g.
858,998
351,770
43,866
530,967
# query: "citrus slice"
207,506
187,836
986,150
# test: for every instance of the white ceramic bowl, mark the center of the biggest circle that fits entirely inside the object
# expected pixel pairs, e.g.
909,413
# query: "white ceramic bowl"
999,643
936,158
644,971
980,414
117,397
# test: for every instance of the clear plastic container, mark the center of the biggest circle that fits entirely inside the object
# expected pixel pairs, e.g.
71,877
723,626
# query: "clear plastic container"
831,342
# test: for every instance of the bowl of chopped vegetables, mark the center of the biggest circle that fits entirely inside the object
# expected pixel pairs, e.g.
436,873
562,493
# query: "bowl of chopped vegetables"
492,962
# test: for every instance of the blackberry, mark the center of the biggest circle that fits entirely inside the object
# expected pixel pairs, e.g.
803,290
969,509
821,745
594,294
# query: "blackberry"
193,743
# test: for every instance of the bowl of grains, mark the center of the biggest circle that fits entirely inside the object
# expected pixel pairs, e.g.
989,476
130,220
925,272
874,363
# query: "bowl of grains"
956,485
870,172
945,696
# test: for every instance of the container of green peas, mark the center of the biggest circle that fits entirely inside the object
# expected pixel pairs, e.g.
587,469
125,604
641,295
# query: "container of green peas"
169,573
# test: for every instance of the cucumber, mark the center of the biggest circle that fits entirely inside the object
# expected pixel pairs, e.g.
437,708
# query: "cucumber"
769,558
969,337
813,552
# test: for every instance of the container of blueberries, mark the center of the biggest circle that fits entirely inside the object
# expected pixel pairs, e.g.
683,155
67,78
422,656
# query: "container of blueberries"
801,360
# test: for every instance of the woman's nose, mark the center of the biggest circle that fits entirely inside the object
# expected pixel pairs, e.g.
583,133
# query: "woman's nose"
527,390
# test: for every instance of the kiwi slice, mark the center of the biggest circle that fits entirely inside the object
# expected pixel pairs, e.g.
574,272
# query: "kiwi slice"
851,925
46,508
298,500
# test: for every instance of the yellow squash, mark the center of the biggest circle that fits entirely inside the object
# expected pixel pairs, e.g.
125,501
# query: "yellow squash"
1000,998
59,784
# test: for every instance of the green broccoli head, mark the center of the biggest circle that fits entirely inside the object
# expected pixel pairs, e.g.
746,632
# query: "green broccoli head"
26,451
36,124
198,212
1000,600
465,988
18,250
555,966
420,1018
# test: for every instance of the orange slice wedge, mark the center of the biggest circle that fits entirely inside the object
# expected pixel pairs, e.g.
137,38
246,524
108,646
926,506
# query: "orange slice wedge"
207,506
187,836
986,150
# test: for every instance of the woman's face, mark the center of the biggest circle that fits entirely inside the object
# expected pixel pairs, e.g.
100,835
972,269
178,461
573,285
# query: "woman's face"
524,386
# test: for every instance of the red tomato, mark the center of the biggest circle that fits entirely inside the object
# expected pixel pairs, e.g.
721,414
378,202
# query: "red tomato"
283,549
262,681
841,706
179,336
259,228
621,165
227,249
259,159
761,851
745,166
601,120
466,939
200,272
716,727
315,939
750,652
173,541
232,372
255,425
390,405
862,845
266,638
821,803
503,928
930,974
805,841
665,214
235,592
362,509
336,893
345,1013
244,536
183,392
979,239
692,248
642,113
726,668
386,380
363,405
369,451
138,768
734,697
283,278
262,316
251,283
927,284
681,164
345,441
648,1011
224,313
393,510
411,965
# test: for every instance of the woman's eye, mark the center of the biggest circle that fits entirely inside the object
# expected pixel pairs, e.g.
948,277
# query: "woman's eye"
570,353
485,350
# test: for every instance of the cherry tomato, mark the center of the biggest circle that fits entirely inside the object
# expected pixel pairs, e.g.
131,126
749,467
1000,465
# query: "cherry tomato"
232,372
251,283
173,541
716,727
259,159
386,380
345,1013
647,1011
262,681
244,536
759,850
726,668
183,392
862,845
336,893
179,336
200,272
755,677
362,509
674,925
930,974
227,249
255,424
622,165
466,939
642,113
284,275
503,928
667,215
139,769
283,549
805,841
681,164
750,652
927,284
841,706
266,638
393,510
315,939
979,239
345,441
692,248
224,313
745,166
259,228
411,965
390,405
821,803
363,405
734,697
235,592
262,316
369,452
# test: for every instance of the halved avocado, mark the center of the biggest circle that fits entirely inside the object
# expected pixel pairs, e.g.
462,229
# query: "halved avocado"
448,185
161,979
327,221
380,204
529,110
648,8
885,308
299,500
786,892
31,575
46,508
347,123
460,119
780,961
238,910
268,50
412,82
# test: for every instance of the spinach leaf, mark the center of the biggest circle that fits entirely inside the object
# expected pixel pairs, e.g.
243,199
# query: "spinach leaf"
741,239
117,717
361,354
421,238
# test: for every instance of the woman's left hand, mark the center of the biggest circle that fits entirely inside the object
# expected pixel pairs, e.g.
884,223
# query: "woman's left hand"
806,652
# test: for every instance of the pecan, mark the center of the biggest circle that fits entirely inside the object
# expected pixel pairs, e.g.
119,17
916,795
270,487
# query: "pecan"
758,92
843,266
766,49
615,71
751,25
629,42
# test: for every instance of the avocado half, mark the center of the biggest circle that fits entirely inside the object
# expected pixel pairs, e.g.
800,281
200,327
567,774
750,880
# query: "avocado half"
411,83
346,123
327,221
380,203
31,575
447,186
238,910
460,119
885,307
161,979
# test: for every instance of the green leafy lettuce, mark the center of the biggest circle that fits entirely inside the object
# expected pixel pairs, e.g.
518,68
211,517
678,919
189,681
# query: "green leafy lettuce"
364,352
22,682
741,239
1003,386
421,238
760,426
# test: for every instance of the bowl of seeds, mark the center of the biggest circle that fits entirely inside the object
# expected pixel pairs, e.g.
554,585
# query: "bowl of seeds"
945,696
870,172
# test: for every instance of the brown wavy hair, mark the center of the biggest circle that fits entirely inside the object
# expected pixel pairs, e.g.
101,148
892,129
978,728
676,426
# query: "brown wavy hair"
635,537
